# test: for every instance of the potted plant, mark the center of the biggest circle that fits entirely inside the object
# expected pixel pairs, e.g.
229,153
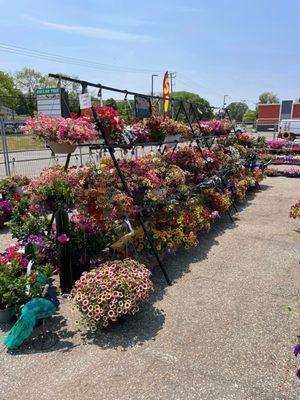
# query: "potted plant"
20,281
110,121
62,135
6,208
111,292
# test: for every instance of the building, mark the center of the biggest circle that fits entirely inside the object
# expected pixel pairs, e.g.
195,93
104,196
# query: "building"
270,115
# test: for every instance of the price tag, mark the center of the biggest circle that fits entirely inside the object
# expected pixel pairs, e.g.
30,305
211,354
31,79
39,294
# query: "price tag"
129,224
85,101
127,141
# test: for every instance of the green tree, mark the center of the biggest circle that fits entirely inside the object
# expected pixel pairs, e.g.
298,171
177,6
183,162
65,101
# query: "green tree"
250,117
126,109
201,104
237,110
111,103
28,80
268,98
9,93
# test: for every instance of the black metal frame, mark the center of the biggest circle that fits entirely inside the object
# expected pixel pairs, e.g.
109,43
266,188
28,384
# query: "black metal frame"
111,147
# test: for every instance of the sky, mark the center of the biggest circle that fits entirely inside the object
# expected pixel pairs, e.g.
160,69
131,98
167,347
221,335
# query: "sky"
233,47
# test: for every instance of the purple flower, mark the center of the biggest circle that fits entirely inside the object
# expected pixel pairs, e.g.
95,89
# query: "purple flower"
298,373
297,350
24,263
6,207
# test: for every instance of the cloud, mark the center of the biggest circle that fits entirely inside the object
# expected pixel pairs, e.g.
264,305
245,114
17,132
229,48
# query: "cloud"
90,31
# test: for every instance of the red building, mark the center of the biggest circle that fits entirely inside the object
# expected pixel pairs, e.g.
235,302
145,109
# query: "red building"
270,115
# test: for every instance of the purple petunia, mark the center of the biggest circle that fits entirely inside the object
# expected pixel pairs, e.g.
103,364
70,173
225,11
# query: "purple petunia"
6,207
298,373
297,350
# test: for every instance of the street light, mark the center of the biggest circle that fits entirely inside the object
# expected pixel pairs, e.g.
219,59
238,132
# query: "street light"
153,75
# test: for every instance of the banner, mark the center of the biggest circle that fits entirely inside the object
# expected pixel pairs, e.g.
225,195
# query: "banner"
166,93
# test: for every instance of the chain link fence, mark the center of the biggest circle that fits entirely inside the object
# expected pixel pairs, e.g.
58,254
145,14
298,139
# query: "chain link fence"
22,155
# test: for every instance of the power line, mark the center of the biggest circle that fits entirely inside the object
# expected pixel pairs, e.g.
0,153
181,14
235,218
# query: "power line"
22,51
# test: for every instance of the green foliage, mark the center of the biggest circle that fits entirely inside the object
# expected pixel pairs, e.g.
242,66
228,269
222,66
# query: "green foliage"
111,103
202,105
268,98
126,109
250,117
22,226
55,193
9,93
237,110
31,249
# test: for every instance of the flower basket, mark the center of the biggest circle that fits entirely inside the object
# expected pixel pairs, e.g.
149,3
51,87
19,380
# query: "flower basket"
62,148
7,314
111,292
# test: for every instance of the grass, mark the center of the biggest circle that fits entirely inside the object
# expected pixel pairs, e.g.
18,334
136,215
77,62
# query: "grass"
18,141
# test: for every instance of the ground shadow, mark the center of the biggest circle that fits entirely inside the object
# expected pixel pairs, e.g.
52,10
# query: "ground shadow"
57,324
133,331
179,264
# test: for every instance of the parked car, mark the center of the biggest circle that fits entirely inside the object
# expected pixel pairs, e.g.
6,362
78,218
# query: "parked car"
289,129
240,128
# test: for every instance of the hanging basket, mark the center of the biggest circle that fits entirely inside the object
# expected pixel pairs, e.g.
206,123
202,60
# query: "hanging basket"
62,148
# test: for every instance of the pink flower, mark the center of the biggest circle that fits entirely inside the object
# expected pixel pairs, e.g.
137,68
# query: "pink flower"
63,238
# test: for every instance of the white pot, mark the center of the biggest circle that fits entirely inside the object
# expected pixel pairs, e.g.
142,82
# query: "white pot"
172,138
62,148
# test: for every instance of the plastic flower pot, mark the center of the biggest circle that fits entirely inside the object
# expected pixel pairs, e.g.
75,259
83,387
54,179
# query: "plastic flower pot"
138,195
2,219
7,314
62,148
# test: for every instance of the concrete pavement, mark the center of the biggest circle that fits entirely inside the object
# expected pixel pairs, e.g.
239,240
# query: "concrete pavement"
221,331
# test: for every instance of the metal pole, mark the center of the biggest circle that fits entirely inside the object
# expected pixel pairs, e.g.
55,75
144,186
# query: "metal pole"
152,84
127,190
4,147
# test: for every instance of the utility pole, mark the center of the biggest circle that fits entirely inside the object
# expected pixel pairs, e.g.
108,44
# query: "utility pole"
152,89
172,76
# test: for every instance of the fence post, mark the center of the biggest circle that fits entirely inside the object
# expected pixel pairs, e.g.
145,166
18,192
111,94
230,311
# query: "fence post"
4,147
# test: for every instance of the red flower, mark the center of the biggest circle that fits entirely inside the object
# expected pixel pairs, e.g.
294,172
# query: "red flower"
17,196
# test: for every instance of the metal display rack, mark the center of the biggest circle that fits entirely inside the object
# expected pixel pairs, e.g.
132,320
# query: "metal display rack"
191,115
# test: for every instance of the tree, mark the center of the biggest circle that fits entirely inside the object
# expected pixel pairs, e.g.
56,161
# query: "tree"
9,93
237,110
111,103
28,80
268,98
250,117
202,105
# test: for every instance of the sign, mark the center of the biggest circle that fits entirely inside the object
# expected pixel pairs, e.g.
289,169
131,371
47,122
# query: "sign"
85,101
47,91
142,106
166,93
53,102
49,101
